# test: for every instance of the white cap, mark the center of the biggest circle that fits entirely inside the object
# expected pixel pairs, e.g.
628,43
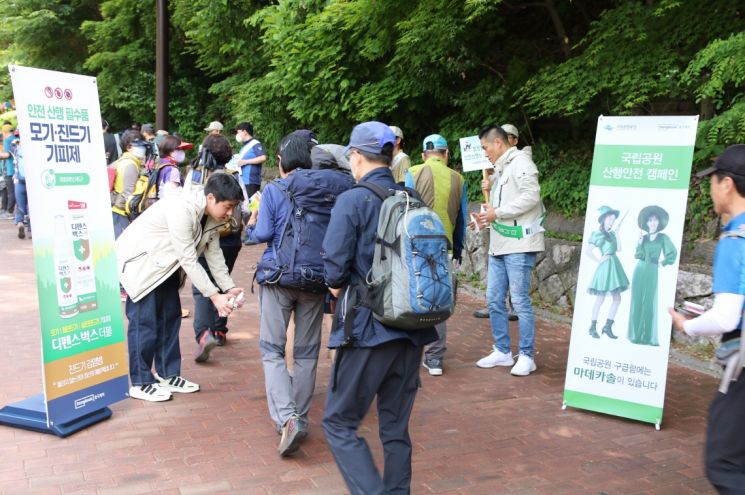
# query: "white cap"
397,131
511,129
214,126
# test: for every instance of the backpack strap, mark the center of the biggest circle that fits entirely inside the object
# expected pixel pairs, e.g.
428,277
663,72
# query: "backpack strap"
378,190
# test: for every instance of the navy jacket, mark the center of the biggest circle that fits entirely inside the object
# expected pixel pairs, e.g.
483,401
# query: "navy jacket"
348,248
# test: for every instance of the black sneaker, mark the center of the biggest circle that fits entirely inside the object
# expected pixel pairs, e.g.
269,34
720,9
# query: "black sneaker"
205,345
292,436
434,365
220,337
21,231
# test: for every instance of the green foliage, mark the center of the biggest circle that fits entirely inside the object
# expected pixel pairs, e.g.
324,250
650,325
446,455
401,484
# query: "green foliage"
31,32
446,66
565,178
632,59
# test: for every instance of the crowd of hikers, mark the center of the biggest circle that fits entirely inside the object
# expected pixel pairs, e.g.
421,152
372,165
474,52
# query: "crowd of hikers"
360,233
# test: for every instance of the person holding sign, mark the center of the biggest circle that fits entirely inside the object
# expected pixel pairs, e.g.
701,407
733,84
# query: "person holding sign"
162,244
725,432
514,215
609,278
652,244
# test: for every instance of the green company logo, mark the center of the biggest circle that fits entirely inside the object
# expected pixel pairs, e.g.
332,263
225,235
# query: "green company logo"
47,178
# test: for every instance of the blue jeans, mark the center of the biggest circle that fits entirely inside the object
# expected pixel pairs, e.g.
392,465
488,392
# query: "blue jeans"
21,203
152,335
513,271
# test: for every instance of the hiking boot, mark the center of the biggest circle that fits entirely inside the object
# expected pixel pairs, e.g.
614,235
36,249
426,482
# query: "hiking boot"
434,365
220,337
292,436
152,392
481,313
177,384
525,365
21,231
511,315
205,345
496,358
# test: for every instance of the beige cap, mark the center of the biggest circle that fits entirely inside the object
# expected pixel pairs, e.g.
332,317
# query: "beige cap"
214,126
397,131
511,129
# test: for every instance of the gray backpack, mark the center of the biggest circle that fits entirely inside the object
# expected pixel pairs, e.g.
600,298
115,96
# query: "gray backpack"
411,284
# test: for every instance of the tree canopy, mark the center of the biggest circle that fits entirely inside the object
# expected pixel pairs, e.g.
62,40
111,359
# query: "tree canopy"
449,66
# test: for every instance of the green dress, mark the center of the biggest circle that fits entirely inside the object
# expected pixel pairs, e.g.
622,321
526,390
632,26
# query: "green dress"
609,276
643,319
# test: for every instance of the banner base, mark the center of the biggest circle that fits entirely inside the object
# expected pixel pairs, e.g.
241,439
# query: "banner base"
614,407
30,414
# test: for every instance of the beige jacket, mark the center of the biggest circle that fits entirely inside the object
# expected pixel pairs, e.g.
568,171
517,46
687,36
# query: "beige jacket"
516,197
169,235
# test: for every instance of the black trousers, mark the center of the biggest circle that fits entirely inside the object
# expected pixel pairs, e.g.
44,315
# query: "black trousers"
10,187
389,372
725,440
205,314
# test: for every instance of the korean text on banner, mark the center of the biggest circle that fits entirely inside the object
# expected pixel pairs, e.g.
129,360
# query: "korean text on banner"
84,354
618,352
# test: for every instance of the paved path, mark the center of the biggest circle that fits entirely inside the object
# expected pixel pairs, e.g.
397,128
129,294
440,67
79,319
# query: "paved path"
474,431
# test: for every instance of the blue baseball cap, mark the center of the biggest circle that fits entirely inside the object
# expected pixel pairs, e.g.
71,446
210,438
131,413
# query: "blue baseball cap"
434,142
370,137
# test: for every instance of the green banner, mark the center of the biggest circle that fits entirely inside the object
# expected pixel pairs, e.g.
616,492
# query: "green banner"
616,407
658,167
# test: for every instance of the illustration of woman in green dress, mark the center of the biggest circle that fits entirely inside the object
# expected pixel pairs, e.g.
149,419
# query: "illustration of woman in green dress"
609,277
652,245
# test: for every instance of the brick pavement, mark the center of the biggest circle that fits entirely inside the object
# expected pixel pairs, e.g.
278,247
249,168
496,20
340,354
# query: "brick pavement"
474,431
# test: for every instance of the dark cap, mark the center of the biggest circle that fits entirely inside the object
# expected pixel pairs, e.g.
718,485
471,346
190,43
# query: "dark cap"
371,137
245,126
147,128
731,160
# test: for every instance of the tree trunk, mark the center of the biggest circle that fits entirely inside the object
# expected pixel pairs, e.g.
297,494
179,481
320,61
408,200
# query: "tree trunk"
561,32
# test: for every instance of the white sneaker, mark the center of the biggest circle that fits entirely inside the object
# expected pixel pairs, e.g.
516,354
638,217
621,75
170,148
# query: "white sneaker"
152,392
177,384
496,358
525,366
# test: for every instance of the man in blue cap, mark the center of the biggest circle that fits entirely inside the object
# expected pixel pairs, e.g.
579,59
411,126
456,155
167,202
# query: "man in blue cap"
375,361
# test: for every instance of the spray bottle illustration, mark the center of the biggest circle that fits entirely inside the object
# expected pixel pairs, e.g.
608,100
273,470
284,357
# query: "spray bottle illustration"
84,279
67,300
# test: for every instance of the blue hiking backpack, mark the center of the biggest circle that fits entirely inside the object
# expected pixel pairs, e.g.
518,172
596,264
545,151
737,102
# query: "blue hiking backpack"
411,284
297,261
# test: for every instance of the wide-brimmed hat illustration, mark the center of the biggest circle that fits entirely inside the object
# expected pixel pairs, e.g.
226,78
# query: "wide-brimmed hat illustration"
653,210
605,211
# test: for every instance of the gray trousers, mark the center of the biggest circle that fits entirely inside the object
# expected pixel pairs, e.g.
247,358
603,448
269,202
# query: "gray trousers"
287,395
437,348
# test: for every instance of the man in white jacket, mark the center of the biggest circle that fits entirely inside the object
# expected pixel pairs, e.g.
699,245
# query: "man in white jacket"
153,254
516,236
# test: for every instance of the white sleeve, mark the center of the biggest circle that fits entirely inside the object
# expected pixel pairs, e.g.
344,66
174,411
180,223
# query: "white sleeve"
721,318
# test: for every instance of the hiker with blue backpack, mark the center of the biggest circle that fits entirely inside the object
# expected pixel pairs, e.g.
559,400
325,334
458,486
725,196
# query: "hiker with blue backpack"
386,311
292,220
